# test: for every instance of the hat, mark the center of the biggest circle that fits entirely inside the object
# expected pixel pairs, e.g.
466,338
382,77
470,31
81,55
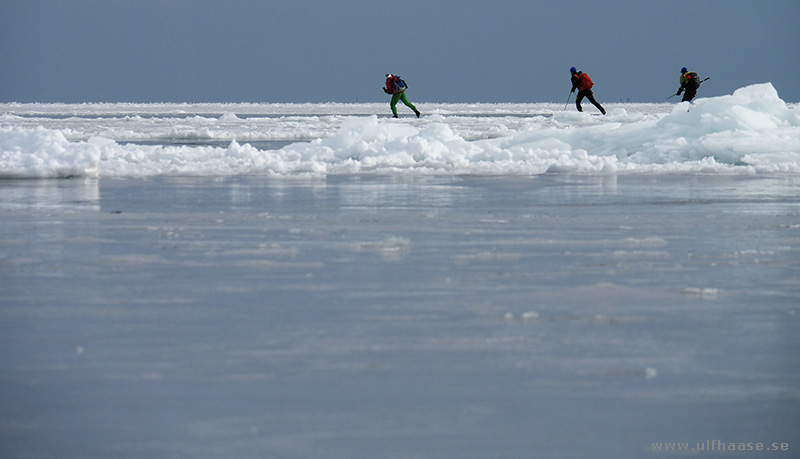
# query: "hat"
573,70
388,75
684,70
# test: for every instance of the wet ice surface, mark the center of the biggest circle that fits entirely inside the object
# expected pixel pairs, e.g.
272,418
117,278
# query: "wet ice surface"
348,317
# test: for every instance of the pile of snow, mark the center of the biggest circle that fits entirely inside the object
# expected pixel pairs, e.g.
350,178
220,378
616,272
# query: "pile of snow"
44,153
229,116
750,131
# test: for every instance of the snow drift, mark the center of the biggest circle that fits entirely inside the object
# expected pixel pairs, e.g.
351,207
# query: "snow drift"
750,131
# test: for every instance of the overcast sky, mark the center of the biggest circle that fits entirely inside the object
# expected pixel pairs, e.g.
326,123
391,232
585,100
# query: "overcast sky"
339,50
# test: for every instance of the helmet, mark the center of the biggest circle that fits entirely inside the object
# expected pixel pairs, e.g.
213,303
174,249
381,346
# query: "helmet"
684,70
573,70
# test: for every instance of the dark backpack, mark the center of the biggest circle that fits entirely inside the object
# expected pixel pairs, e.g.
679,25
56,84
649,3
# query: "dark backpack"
399,85
692,81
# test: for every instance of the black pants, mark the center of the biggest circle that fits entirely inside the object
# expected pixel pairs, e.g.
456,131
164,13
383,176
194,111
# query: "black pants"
689,95
587,93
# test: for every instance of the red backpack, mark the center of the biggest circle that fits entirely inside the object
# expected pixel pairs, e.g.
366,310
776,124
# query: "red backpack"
586,82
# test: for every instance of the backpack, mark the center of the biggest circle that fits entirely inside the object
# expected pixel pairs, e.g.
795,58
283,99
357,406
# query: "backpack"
692,81
586,82
399,85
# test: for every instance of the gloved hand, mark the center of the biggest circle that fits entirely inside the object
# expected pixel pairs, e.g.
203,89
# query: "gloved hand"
679,92
572,90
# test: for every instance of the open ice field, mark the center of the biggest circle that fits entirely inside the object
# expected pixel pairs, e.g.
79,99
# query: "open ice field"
488,281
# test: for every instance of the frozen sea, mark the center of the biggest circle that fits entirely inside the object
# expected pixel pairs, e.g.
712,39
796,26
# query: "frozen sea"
319,280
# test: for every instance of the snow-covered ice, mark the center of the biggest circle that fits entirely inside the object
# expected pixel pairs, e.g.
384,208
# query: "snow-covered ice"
750,131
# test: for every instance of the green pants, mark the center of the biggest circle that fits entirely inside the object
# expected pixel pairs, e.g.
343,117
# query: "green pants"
401,96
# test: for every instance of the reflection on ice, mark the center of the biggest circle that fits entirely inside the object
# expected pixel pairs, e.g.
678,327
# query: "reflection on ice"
78,194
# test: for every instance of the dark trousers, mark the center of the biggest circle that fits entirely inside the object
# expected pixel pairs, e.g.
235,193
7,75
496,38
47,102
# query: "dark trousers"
689,95
587,93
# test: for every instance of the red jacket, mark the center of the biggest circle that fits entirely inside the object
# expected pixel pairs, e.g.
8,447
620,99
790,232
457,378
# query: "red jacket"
581,81
390,84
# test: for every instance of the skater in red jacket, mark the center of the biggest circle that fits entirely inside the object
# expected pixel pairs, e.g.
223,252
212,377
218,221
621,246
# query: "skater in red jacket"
583,84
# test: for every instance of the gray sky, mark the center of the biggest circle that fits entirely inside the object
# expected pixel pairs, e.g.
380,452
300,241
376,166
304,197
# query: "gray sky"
339,50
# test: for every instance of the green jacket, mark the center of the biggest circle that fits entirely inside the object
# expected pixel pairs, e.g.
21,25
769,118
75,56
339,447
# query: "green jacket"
685,80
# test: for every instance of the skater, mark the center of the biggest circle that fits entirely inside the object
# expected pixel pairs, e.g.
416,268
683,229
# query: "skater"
397,88
689,83
583,84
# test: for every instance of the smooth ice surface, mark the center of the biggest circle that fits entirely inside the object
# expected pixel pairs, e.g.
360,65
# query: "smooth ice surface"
558,316
750,131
